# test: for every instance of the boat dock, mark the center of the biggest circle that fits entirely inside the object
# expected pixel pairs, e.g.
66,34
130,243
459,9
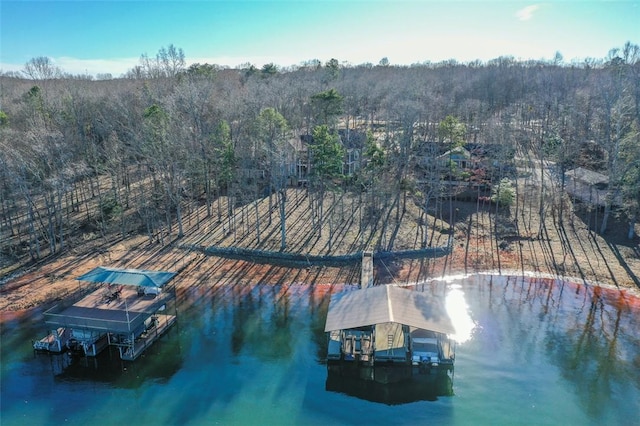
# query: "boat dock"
386,333
130,315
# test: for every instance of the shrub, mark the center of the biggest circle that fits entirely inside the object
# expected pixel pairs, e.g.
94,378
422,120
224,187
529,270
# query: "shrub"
4,119
503,194
110,208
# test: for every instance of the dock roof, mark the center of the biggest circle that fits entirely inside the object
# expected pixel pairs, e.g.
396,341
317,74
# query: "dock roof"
388,303
94,312
136,277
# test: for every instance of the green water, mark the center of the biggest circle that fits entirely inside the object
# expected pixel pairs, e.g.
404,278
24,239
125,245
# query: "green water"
532,351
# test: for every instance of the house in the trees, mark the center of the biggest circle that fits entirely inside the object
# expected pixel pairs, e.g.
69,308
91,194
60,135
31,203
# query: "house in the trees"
425,154
353,142
297,158
435,156
496,160
459,156
462,167
300,159
588,186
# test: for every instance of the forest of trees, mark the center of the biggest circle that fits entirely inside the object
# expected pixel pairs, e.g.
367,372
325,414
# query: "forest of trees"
167,138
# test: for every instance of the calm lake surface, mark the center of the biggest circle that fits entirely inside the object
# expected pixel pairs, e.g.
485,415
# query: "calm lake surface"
531,351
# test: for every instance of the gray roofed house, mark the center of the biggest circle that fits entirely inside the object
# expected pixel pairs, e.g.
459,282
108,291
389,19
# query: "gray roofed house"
588,186
458,155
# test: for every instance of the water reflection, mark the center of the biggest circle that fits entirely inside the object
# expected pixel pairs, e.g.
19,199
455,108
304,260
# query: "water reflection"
261,323
158,364
542,351
592,348
574,341
427,387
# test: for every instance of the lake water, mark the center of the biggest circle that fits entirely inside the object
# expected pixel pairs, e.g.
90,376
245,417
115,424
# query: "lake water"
531,351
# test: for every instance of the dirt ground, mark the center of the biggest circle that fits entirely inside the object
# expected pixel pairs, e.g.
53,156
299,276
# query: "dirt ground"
513,243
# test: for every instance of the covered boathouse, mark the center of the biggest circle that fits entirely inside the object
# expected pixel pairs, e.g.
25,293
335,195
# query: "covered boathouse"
128,310
387,334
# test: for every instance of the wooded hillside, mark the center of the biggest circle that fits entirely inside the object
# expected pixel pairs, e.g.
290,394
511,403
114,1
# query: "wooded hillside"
84,159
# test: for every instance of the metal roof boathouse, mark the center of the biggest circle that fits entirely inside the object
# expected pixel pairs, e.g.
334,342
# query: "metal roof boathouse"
387,334
127,311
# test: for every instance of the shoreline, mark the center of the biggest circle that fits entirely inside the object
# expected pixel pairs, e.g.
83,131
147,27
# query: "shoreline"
327,278
573,254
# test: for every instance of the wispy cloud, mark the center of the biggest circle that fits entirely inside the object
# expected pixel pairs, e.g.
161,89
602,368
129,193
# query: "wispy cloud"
119,66
77,66
527,12
116,66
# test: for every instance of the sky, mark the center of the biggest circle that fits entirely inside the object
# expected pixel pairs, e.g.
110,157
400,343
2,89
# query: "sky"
91,37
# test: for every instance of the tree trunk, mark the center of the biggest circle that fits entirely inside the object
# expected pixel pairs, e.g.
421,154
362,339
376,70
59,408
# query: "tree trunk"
34,241
60,217
179,219
283,222
605,217
51,211
255,203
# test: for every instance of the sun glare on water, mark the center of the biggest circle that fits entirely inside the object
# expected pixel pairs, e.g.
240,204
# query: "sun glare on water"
458,311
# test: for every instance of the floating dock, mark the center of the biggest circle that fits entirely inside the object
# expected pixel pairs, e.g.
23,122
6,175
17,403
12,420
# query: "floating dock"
55,341
386,333
130,316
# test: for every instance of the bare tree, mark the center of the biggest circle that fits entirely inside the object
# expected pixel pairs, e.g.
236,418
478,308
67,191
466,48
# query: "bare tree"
171,60
41,68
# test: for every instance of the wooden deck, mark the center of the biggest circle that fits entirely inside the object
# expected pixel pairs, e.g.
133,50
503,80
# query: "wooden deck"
366,275
102,311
